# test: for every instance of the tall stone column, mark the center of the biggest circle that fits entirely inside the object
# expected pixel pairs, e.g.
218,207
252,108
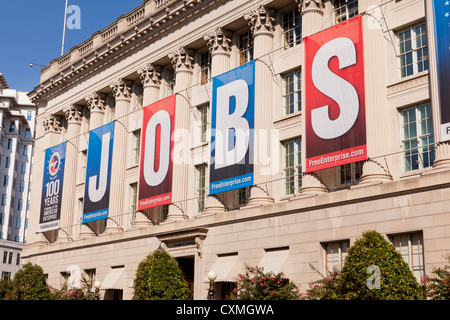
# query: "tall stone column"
182,62
312,16
96,105
219,45
150,76
122,93
311,12
52,134
262,24
73,117
378,130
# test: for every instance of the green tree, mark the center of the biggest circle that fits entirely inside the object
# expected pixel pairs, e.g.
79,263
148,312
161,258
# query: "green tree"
6,289
30,284
255,284
375,270
159,277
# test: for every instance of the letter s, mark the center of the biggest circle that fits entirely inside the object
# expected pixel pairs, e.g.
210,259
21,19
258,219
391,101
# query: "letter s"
336,88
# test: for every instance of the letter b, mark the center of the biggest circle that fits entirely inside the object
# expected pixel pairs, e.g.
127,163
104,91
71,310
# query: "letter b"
225,153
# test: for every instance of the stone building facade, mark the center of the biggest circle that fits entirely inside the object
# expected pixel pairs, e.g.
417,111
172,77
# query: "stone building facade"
288,220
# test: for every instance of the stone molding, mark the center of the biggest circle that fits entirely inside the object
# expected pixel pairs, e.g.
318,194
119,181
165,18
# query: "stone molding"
73,114
150,75
182,59
261,20
219,41
51,124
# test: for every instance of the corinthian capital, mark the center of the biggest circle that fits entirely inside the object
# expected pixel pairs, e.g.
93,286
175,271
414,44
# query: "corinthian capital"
150,75
311,5
73,114
50,123
218,40
121,89
96,102
261,20
182,59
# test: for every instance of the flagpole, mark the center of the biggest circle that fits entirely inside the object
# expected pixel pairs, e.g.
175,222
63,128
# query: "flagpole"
64,29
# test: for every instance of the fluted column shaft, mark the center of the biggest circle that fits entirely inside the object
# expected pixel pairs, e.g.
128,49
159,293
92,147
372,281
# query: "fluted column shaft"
182,61
122,93
151,81
73,116
262,21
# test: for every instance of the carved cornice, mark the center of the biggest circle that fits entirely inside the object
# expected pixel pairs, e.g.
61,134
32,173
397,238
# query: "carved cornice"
96,102
51,124
73,114
261,20
219,41
121,89
150,75
182,59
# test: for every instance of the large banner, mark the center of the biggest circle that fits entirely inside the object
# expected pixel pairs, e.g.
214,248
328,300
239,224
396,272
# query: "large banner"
334,96
52,186
232,125
441,10
98,173
155,178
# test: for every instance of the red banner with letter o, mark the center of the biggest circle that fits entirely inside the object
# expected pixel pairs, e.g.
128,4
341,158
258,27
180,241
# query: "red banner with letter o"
335,127
155,172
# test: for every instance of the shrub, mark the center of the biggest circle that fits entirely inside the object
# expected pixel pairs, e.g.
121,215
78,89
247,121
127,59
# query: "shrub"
83,293
257,285
30,284
374,269
438,286
6,289
158,277
326,288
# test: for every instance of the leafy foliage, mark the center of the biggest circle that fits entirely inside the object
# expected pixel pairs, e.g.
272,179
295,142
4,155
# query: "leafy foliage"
373,270
257,285
438,286
6,289
30,284
158,277
83,293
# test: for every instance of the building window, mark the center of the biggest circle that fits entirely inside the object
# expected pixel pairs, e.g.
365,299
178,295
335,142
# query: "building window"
22,186
202,122
29,115
111,103
20,204
4,197
12,127
335,254
169,77
205,67
245,45
410,246
27,133
201,187
418,140
242,196
24,168
345,9
292,166
5,181
136,146
10,144
163,212
133,201
292,28
25,150
413,50
8,162
87,119
83,164
18,223
292,95
138,96
349,173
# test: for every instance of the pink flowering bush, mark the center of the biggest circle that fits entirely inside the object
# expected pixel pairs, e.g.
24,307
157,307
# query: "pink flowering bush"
438,285
257,285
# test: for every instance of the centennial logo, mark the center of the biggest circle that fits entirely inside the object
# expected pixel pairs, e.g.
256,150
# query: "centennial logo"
54,164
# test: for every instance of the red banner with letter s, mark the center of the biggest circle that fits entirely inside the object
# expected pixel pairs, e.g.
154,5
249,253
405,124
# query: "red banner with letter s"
335,120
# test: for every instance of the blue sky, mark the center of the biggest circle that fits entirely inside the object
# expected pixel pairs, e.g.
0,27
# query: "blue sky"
31,31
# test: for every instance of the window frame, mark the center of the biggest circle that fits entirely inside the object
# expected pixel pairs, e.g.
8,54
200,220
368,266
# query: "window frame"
413,51
410,238
200,187
291,30
291,107
417,149
245,45
290,181
342,255
340,5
